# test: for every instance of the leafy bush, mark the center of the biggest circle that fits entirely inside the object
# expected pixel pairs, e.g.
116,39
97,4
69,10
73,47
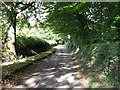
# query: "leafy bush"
28,46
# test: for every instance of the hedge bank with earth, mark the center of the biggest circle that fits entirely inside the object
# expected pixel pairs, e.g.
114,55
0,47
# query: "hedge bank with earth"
8,69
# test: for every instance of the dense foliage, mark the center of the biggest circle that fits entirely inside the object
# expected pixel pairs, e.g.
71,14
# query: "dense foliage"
28,46
25,22
91,31
86,22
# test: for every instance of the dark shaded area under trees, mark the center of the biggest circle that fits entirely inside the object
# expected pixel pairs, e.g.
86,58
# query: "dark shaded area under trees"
90,31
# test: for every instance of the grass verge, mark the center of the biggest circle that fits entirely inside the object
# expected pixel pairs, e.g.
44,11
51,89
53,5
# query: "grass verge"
8,69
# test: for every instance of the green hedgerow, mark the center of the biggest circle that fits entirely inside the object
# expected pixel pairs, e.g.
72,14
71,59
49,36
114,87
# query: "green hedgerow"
28,46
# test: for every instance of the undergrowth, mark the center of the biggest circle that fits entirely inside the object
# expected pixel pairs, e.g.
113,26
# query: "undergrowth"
100,63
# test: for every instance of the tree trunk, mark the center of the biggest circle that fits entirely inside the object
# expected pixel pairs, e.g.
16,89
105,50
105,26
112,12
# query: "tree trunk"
6,34
14,27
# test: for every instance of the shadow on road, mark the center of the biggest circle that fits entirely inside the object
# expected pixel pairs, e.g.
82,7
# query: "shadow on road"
58,71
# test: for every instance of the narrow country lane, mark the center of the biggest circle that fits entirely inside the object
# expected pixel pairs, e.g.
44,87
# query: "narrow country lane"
60,71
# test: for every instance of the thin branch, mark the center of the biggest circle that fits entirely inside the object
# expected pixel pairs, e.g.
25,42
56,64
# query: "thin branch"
25,7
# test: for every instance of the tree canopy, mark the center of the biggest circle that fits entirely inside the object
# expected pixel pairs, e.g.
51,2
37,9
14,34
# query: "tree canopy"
90,30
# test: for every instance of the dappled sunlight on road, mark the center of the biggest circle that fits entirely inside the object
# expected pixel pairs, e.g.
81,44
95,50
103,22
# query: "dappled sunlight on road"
58,72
